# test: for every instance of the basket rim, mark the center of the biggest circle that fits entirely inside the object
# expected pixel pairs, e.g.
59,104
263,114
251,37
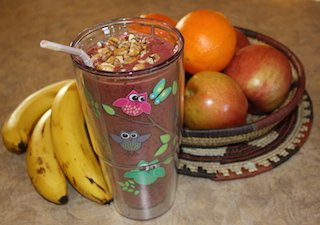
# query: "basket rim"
275,116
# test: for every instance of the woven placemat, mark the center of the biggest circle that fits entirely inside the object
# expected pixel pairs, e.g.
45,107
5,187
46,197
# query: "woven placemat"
254,157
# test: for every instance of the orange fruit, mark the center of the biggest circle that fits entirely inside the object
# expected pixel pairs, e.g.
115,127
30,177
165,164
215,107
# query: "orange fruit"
159,16
210,40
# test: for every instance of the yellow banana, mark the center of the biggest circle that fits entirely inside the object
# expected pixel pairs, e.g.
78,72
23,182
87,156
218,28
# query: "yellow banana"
17,129
95,142
96,148
42,165
72,146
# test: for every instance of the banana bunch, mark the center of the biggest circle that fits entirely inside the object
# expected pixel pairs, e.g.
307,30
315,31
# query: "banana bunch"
17,128
50,126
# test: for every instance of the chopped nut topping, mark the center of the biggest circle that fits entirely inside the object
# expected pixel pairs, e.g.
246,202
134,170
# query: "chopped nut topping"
124,44
103,50
106,67
99,44
132,38
153,58
138,67
120,59
96,57
123,53
143,53
129,59
134,50
111,48
113,41
120,51
110,60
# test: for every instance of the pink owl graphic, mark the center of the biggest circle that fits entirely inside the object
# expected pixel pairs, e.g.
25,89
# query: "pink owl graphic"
134,104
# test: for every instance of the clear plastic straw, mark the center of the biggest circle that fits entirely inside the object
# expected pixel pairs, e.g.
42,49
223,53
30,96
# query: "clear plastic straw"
67,49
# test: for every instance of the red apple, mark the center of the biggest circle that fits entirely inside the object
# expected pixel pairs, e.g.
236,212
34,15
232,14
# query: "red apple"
213,100
242,40
264,74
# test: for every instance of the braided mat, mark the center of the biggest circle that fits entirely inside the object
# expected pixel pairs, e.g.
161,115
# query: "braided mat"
253,157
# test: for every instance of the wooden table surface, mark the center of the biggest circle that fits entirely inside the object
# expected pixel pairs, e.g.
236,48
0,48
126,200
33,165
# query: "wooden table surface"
287,195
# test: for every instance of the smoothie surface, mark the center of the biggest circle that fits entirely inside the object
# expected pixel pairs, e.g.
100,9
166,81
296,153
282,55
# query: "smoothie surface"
130,52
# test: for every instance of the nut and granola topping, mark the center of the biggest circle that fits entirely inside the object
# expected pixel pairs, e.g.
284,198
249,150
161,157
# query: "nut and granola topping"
130,52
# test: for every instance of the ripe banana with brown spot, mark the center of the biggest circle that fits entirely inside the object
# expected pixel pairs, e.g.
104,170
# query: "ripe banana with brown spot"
95,142
42,165
72,146
17,129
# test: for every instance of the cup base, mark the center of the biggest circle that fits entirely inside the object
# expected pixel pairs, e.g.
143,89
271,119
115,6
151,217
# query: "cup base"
145,213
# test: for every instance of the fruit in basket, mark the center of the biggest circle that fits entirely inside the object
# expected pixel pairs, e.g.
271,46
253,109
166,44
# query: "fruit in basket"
210,40
264,74
213,100
242,40
159,16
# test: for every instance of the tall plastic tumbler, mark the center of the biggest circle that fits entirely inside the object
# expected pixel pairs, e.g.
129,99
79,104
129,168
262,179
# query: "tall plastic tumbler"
133,108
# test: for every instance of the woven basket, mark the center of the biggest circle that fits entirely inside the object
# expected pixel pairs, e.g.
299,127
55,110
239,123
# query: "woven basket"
256,126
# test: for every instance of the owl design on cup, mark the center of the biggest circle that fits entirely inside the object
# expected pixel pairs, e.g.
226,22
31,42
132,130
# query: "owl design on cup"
130,141
134,104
